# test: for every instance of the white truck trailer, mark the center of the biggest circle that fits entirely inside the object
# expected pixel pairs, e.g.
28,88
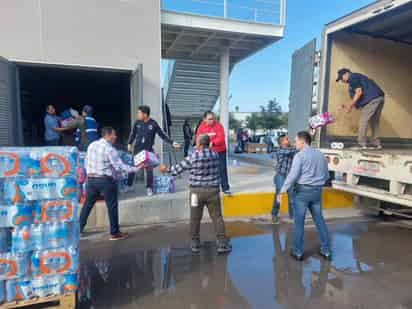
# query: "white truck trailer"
377,41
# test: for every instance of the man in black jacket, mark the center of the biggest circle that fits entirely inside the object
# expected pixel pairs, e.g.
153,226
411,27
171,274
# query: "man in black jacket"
188,136
143,137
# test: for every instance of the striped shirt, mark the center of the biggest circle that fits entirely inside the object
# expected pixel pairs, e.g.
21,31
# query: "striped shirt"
284,158
203,166
103,159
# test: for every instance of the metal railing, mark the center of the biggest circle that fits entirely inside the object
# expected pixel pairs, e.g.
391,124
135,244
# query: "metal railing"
259,11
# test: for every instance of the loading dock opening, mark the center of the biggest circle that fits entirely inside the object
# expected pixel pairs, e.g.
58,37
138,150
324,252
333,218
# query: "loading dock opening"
27,88
107,91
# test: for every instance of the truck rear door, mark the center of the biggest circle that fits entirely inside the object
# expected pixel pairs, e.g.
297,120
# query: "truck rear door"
301,88
10,113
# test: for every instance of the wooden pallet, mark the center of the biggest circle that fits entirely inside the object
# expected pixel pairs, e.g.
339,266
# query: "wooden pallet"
65,301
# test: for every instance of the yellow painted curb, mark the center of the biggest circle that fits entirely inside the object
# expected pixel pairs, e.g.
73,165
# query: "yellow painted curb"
260,203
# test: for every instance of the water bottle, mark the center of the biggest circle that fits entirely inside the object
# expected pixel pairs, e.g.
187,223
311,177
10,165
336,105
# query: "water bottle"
49,211
54,261
70,283
57,235
47,285
13,266
18,289
37,235
19,215
5,240
2,292
34,189
21,240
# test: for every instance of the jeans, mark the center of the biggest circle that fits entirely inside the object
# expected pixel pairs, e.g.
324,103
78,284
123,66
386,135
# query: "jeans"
308,197
186,147
223,171
107,187
209,197
279,180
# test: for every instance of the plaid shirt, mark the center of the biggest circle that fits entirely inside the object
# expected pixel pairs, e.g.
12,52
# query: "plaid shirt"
284,158
102,159
203,166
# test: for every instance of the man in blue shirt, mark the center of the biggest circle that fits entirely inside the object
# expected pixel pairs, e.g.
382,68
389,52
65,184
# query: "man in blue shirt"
51,127
284,157
368,97
308,174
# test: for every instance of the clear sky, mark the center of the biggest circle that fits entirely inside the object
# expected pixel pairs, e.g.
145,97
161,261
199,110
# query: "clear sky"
266,74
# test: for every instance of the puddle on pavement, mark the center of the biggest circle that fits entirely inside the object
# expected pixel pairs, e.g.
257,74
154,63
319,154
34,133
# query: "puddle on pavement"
259,273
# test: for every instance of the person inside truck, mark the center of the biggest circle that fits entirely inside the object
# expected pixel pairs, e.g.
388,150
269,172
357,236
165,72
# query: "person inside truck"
369,98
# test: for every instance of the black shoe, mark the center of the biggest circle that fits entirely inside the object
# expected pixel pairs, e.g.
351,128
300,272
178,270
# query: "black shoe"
195,246
298,258
326,256
227,192
223,247
119,236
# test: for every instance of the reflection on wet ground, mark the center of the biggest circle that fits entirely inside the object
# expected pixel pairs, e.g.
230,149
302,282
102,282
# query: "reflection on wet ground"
371,268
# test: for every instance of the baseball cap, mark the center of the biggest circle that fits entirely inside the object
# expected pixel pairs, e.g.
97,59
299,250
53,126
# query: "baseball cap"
88,109
342,72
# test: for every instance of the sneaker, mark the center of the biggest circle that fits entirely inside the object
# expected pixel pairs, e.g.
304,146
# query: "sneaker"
327,256
275,220
195,246
377,147
119,236
149,192
297,257
223,247
227,192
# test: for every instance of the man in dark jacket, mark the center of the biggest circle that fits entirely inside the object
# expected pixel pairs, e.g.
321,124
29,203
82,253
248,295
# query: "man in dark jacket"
143,137
188,135
369,98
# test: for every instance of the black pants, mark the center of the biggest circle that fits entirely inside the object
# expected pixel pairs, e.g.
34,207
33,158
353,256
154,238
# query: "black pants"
186,149
223,171
107,187
149,172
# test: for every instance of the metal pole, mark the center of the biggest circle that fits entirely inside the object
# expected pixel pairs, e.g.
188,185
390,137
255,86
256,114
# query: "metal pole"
225,8
282,18
224,91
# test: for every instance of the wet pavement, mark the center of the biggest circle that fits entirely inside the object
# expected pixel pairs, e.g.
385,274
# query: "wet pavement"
371,268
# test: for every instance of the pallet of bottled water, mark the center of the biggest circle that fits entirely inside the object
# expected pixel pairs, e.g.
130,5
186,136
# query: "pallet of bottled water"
39,228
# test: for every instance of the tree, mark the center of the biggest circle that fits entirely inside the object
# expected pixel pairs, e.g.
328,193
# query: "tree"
234,124
254,122
272,116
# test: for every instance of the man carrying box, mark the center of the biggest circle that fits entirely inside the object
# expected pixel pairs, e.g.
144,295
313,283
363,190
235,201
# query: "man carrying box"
103,163
204,181
143,137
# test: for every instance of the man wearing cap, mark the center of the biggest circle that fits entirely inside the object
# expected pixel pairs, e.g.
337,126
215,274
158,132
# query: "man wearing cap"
369,98
86,128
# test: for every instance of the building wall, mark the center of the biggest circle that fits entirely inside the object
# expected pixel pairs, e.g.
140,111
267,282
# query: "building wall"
94,33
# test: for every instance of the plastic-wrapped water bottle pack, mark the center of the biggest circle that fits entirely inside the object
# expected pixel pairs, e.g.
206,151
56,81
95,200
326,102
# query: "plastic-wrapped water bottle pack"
39,228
